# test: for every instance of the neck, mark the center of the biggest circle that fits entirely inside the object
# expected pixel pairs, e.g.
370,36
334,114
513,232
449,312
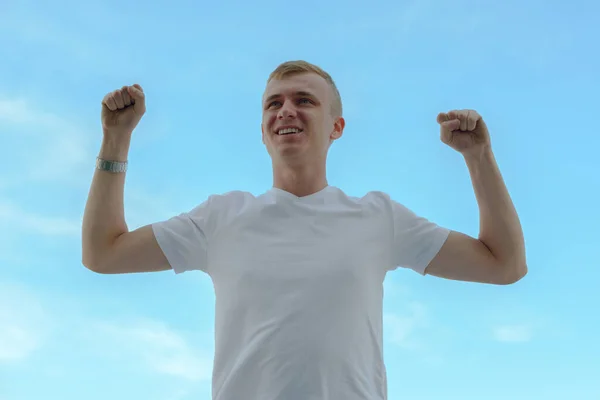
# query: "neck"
300,180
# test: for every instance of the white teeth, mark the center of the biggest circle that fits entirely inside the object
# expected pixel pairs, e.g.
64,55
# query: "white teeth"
288,130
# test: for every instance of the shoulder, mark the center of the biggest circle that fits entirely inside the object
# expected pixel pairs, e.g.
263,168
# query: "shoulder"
377,202
227,201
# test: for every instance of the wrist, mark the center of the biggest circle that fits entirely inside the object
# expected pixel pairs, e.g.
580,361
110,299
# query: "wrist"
478,156
115,147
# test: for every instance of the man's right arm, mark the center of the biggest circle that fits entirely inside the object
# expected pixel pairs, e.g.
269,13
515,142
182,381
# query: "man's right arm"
108,247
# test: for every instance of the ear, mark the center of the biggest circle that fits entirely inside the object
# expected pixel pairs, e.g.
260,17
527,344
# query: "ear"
338,128
262,130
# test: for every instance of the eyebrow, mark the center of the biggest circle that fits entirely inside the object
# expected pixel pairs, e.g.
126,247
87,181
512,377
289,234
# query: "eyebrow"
298,93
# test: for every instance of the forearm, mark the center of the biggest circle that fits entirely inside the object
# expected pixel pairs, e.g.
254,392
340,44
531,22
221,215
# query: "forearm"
104,216
500,229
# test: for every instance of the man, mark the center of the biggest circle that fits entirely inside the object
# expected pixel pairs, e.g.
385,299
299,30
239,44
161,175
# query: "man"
298,270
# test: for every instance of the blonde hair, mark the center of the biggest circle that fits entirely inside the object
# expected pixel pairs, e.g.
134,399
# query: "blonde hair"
290,68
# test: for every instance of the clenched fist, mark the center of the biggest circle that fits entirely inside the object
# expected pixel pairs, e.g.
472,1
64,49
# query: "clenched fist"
122,110
464,131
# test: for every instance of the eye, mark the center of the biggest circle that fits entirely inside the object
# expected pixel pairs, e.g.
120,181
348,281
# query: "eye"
273,103
305,101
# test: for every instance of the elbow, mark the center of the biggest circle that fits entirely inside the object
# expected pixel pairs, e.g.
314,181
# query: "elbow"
88,260
92,262
513,273
96,256
92,265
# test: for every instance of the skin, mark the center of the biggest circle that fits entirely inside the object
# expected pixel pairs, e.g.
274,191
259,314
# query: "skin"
498,255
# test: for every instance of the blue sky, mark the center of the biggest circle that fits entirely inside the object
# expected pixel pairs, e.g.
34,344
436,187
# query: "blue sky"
530,69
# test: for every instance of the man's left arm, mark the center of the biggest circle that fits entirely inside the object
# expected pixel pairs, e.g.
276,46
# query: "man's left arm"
497,256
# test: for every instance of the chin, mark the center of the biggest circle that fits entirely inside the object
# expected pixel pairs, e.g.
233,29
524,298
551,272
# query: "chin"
289,153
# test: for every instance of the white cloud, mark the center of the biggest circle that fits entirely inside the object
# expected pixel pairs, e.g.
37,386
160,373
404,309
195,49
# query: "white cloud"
24,323
402,330
396,290
28,324
50,147
20,111
513,333
143,207
160,348
13,111
17,341
14,216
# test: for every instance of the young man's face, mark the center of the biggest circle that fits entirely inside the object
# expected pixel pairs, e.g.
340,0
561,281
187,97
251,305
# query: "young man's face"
297,121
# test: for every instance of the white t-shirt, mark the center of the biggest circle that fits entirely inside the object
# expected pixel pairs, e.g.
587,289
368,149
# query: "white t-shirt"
299,287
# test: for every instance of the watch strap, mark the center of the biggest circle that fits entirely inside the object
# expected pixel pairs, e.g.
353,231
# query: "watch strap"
111,166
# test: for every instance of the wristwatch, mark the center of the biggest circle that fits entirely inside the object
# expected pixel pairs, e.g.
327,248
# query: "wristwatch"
111,166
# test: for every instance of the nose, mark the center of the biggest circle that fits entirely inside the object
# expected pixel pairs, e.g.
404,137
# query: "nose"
286,111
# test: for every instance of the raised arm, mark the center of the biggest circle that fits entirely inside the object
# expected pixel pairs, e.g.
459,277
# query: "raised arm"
497,256
108,246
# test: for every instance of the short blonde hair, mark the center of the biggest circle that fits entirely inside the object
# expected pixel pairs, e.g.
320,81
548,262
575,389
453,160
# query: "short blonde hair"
290,68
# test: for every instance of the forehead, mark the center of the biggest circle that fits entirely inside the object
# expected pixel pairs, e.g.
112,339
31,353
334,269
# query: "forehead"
307,82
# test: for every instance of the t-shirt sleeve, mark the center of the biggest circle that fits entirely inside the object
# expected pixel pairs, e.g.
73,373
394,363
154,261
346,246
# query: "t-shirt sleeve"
416,240
184,238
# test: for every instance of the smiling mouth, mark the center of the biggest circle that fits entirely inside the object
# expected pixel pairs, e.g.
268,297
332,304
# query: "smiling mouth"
289,131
